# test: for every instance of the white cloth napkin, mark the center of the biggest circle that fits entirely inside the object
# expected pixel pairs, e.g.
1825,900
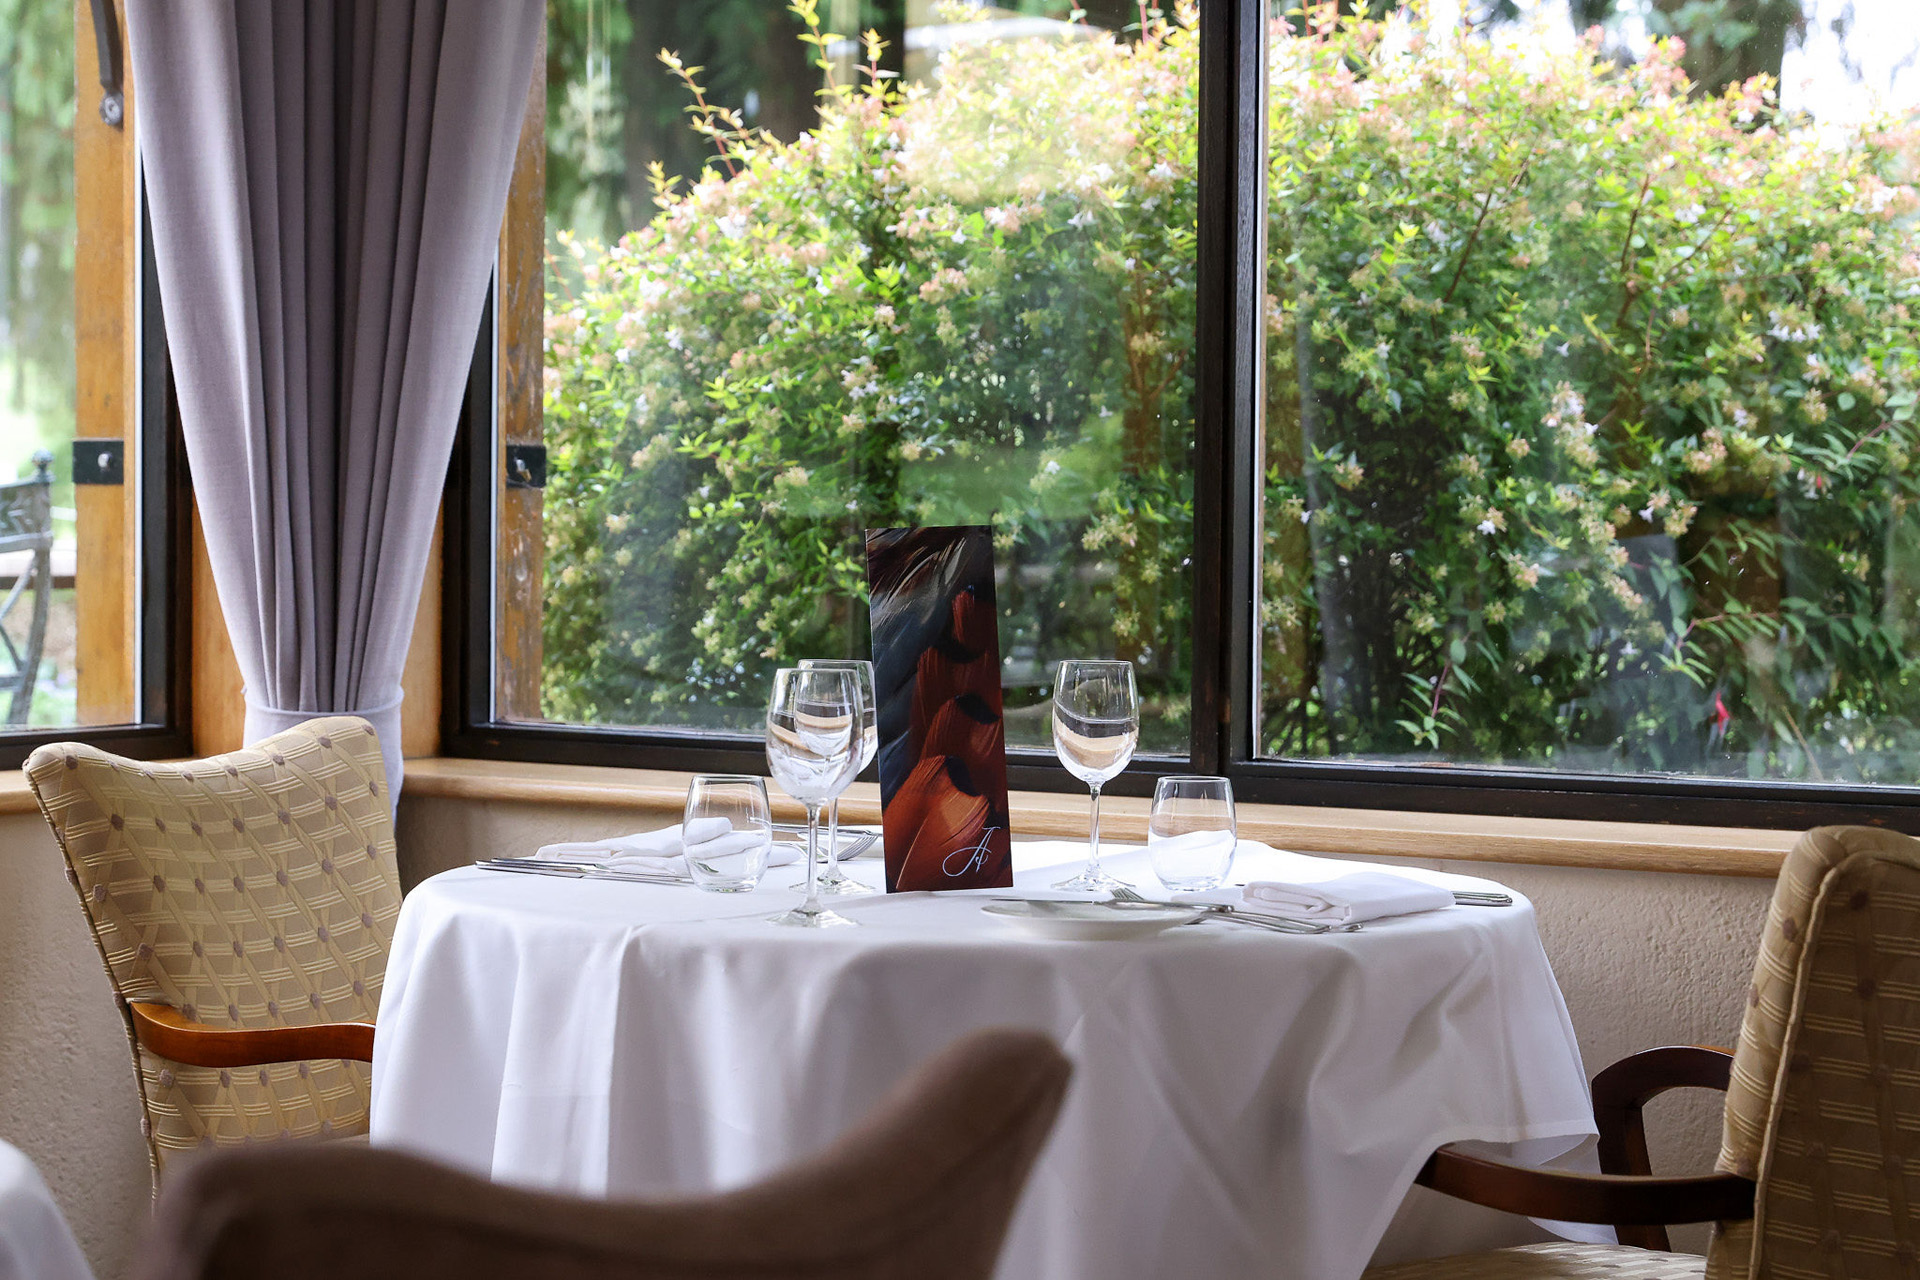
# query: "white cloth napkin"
664,851
1348,899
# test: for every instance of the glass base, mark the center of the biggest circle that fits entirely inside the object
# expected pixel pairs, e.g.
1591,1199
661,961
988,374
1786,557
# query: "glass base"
1091,881
832,884
811,917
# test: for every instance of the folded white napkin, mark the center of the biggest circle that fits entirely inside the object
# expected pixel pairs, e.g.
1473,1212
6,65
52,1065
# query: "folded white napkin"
664,851
1347,899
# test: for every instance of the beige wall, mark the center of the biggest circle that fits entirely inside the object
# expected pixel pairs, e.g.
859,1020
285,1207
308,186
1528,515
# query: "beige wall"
66,1082
1644,959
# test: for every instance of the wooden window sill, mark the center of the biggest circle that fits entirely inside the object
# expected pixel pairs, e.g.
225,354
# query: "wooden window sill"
1625,846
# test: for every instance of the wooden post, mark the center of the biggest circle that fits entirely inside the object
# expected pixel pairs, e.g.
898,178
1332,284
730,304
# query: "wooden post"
520,312
106,357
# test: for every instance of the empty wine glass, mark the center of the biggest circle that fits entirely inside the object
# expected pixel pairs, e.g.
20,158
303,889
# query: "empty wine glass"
831,881
1191,831
1096,726
813,751
728,831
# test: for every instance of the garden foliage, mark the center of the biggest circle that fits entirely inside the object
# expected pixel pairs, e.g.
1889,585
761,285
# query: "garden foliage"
1589,401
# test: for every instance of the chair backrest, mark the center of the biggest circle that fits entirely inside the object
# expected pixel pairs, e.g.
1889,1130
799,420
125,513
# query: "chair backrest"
922,1190
1823,1109
26,531
255,889
26,508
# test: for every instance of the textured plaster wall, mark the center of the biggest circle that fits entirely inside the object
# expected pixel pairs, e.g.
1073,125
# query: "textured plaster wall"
1644,959
66,1082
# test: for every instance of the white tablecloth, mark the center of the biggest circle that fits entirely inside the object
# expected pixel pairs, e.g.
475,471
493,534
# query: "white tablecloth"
1245,1104
35,1241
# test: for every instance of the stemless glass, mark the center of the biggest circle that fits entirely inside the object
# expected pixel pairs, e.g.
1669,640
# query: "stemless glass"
831,881
734,857
1191,831
1096,726
813,750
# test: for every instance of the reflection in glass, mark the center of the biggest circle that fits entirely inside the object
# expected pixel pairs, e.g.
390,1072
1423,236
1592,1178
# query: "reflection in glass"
1590,406
960,297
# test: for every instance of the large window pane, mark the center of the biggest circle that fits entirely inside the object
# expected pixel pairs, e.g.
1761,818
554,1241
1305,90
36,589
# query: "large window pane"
1592,370
39,654
833,298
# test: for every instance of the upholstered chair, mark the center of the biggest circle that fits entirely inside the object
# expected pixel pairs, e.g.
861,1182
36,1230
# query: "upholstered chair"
1819,1168
244,906
923,1189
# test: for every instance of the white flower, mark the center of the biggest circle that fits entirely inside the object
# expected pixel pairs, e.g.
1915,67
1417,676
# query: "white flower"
732,225
1487,527
1162,172
959,236
1564,347
1084,218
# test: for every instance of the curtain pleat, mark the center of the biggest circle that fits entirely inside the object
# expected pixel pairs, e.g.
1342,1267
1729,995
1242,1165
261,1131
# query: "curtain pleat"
326,182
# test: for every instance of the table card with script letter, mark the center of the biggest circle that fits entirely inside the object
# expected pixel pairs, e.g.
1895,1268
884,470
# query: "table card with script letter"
943,746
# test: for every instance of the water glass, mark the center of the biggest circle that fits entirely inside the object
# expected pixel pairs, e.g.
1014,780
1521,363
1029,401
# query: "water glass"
1191,832
733,857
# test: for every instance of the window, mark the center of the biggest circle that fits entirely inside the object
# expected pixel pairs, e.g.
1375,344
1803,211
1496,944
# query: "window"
87,523
1504,409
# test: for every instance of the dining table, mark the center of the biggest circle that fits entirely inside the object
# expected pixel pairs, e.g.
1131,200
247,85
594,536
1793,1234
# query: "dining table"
35,1241
1245,1103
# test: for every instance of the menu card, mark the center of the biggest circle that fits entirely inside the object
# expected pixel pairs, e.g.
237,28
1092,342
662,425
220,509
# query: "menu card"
943,744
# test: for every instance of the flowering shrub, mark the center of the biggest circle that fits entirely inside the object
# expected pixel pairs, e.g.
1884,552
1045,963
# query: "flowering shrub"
970,305
1602,456
1590,402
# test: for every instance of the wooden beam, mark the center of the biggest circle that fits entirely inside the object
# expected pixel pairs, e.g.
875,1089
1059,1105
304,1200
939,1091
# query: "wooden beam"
521,316
1371,833
106,400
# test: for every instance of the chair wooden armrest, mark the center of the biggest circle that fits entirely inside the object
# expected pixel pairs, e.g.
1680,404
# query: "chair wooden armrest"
1565,1196
160,1029
1624,1088
1625,1195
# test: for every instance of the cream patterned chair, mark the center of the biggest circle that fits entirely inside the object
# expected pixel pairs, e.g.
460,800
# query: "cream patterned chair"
244,907
1820,1156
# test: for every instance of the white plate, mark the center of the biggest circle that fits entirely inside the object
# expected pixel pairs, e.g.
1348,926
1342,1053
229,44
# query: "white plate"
1089,921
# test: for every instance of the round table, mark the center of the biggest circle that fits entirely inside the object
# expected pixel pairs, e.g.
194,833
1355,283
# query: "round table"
1244,1103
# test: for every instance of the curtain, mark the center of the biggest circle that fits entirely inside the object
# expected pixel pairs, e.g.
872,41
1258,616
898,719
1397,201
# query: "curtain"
326,181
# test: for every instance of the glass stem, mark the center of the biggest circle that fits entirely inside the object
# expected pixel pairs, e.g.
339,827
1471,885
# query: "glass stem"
812,904
833,839
1093,835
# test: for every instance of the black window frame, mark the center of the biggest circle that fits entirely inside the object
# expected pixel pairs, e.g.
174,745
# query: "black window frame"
1229,366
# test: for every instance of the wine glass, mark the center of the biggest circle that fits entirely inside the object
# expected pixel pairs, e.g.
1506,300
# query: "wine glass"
831,881
733,857
1096,726
1191,831
813,750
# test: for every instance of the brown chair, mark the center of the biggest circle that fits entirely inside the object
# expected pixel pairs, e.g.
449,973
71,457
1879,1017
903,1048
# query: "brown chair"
923,1189
244,907
1819,1168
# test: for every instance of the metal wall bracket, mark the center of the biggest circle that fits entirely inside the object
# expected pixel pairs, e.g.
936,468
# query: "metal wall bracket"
102,461
526,466
106,46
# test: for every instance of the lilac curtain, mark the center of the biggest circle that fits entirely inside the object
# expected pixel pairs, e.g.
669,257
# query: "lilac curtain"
326,180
